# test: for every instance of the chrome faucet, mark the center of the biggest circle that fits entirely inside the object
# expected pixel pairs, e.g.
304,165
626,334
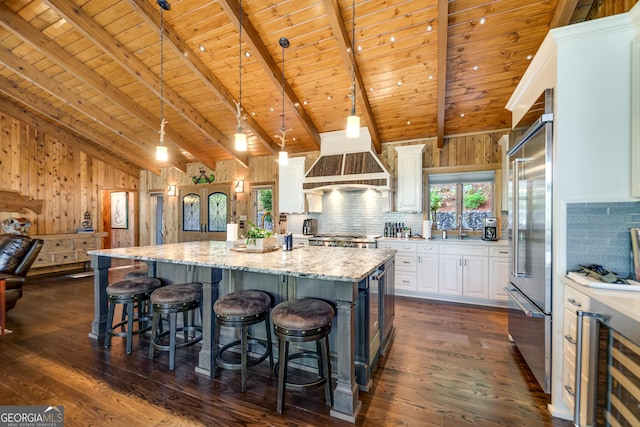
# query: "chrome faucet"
460,233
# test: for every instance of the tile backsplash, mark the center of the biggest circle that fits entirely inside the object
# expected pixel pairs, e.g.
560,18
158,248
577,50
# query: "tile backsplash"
354,212
598,233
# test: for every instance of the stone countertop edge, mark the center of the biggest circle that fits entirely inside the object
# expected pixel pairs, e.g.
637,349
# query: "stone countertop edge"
453,239
626,302
338,264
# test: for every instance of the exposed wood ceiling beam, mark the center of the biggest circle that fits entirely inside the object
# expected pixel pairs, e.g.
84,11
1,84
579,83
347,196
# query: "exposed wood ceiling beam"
55,115
564,11
52,50
443,25
98,35
29,72
21,113
344,45
251,37
195,64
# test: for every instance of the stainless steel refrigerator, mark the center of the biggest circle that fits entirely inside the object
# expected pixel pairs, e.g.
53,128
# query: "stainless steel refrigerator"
529,287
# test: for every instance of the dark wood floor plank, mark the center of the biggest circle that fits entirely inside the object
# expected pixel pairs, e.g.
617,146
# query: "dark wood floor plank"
449,365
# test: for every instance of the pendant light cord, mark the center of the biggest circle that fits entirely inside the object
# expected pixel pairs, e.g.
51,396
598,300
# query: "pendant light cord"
353,57
161,69
240,73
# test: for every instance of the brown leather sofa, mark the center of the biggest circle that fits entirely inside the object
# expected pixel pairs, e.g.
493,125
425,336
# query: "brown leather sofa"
17,254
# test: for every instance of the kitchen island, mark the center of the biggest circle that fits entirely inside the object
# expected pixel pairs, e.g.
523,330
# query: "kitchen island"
342,275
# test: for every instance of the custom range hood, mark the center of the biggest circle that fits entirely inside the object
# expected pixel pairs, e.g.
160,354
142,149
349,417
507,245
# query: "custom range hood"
347,164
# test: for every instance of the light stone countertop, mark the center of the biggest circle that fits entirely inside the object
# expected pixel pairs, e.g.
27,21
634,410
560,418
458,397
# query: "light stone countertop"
326,263
453,239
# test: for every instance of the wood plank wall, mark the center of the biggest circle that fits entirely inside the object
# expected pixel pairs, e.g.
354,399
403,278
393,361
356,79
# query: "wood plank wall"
69,180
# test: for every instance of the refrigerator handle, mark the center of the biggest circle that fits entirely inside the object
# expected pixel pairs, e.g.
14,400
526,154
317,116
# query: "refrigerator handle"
516,218
530,311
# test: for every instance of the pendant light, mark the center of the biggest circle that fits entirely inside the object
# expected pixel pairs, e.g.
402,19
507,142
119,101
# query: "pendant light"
283,157
162,153
353,121
239,137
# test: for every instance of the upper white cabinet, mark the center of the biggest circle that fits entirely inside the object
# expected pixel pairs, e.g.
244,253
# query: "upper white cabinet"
410,178
290,195
635,113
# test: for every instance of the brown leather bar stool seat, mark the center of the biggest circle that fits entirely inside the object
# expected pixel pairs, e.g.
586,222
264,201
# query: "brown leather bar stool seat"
171,300
136,274
303,320
134,295
240,310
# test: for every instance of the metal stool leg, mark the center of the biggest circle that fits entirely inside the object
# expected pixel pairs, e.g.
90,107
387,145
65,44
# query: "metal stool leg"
283,353
172,339
129,327
243,356
325,356
107,337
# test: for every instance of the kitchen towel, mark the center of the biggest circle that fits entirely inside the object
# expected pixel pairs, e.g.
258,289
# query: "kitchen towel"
426,229
232,232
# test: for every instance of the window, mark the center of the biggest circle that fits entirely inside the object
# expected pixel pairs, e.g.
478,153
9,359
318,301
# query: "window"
262,197
461,196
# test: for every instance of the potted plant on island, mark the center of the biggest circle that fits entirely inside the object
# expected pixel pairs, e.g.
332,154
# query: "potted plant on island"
259,238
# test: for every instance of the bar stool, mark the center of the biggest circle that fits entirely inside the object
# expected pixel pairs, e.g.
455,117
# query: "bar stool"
134,295
303,320
136,274
240,310
171,300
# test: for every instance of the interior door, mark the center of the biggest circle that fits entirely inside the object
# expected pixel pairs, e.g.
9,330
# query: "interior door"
204,212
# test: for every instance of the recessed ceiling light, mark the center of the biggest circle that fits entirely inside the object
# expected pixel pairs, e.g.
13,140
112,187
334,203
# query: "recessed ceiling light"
408,122
253,113
529,57
296,104
461,114
399,82
359,48
475,68
271,109
329,98
430,77
371,89
482,20
202,48
247,54
429,27
306,102
392,38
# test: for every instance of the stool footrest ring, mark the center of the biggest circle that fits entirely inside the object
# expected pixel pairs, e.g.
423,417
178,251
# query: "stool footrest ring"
251,362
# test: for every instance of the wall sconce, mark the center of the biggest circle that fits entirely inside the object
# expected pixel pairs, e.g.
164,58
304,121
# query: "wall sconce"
238,186
171,190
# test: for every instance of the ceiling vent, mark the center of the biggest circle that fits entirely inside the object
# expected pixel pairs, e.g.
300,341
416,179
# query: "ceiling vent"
347,164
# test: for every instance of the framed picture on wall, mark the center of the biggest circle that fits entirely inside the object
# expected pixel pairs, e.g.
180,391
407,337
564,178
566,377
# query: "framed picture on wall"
119,209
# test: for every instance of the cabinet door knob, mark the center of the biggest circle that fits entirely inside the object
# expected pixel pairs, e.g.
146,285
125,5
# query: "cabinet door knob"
570,339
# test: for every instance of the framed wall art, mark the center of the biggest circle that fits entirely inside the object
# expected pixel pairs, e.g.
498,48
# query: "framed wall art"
119,209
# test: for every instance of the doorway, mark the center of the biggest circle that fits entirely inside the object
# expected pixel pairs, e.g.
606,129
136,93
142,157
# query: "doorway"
156,228
204,212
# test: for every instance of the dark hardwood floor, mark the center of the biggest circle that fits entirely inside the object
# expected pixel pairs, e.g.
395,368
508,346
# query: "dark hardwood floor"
449,365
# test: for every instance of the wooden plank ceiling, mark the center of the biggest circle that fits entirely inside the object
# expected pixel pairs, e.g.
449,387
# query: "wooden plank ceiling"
93,68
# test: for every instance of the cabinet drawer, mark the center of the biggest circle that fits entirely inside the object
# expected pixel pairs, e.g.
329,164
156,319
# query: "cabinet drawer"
43,259
398,246
568,382
61,245
427,249
575,300
499,252
405,280
86,244
406,262
464,250
63,257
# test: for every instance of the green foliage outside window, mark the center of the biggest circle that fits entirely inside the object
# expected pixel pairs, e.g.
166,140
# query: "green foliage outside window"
473,199
266,200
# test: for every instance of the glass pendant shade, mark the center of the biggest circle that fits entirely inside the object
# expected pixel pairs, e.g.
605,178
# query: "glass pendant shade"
241,141
283,158
162,153
353,127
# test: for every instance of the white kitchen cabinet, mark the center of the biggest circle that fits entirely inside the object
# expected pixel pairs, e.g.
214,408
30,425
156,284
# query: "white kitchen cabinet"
574,301
428,268
410,178
498,272
635,112
290,177
463,271
406,265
